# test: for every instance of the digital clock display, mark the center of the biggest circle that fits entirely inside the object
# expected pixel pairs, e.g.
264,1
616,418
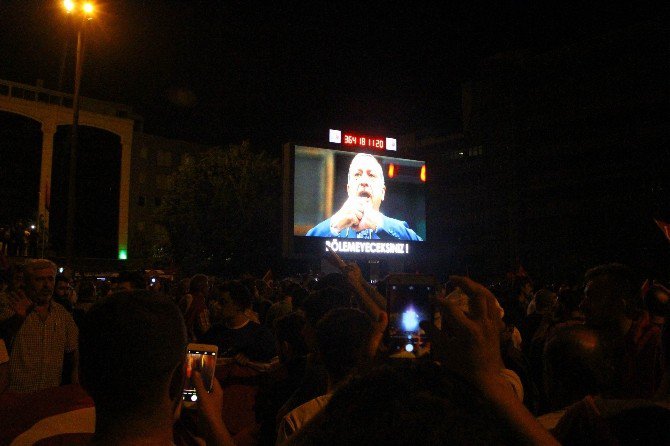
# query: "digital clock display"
355,140
363,141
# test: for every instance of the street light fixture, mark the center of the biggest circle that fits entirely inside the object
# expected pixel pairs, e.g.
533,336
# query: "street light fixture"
87,8
85,11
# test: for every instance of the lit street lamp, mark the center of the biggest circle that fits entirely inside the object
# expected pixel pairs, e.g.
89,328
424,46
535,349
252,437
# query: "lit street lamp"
83,10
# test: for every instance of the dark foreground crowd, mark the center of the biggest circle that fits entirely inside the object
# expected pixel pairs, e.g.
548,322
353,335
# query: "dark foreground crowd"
506,364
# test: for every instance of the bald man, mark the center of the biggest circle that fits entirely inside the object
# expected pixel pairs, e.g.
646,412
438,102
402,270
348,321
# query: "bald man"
360,217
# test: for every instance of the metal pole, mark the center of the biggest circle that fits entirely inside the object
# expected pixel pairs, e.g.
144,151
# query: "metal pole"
74,137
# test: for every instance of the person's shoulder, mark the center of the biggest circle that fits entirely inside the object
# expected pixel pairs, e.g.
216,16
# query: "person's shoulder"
255,327
307,410
320,230
395,221
60,310
399,229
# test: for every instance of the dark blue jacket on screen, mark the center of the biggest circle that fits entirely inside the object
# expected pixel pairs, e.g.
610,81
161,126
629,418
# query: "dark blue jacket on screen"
390,229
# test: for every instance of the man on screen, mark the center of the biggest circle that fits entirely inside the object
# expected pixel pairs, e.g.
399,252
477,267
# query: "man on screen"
359,217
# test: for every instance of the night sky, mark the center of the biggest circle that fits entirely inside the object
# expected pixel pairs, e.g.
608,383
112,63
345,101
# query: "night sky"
219,71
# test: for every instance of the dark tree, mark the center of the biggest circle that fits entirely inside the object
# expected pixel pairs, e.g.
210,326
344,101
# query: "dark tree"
223,215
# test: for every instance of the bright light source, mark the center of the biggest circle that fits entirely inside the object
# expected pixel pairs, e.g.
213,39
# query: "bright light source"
409,348
123,254
69,5
410,320
88,8
391,170
423,173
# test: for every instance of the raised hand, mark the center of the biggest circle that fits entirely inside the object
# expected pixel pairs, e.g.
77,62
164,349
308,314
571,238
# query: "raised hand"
356,213
349,215
469,342
210,411
469,345
371,301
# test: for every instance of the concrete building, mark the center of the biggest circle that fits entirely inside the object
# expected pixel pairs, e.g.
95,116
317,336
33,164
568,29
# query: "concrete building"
122,172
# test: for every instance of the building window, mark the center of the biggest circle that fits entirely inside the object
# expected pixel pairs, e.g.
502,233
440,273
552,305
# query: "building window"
140,226
475,151
142,177
144,153
141,200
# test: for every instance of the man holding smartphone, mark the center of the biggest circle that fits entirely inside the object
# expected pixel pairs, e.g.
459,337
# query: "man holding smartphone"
360,217
133,364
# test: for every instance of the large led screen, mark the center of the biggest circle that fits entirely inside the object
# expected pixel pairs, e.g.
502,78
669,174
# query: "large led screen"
347,195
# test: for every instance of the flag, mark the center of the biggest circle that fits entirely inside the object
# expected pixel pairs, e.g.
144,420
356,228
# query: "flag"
665,228
64,413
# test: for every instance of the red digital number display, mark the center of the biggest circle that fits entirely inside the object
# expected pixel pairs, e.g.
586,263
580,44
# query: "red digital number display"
363,141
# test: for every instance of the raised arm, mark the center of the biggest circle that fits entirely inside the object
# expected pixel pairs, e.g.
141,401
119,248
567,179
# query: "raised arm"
469,345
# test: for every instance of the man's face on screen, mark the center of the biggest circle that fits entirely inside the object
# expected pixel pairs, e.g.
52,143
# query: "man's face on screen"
366,181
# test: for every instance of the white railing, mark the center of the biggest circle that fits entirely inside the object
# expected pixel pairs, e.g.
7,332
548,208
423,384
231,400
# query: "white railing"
53,97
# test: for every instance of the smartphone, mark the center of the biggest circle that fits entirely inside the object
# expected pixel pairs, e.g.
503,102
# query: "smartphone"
200,358
409,301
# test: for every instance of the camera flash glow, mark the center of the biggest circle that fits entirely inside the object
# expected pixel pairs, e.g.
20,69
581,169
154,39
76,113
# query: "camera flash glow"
410,320
409,348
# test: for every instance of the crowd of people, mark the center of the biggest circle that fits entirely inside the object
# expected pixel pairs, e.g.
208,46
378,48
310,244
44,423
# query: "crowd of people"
511,363
19,239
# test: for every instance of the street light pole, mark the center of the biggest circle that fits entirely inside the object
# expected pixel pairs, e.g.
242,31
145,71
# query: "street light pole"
74,133
74,139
